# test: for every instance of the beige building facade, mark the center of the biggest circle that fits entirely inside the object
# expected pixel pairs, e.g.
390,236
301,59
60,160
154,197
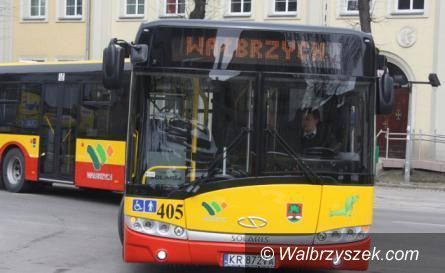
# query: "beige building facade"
49,30
6,30
406,31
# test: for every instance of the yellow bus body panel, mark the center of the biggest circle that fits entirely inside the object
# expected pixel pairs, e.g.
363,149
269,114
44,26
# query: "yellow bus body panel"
345,206
322,208
115,150
29,142
268,202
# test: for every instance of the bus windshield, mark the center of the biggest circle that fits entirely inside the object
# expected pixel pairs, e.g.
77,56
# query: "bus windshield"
323,121
206,127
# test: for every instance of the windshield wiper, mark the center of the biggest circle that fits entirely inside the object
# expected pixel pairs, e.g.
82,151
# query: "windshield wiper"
220,156
308,172
193,187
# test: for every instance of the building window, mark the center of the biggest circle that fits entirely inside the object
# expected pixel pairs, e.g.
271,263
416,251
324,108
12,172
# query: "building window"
285,7
34,9
133,8
409,6
240,7
174,7
350,7
38,8
73,8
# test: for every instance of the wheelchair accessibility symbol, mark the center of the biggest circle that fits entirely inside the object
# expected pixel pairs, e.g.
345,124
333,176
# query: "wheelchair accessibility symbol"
138,205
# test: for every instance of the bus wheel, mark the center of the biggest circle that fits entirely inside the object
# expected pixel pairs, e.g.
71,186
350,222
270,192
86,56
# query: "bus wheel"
13,171
120,222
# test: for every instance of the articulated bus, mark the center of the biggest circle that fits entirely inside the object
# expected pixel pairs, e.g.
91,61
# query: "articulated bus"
219,162
58,124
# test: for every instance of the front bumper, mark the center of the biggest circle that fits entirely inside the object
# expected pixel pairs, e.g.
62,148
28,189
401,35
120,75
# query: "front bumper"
143,248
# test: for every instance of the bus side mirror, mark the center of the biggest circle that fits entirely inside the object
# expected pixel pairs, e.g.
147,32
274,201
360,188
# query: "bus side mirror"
139,54
385,94
113,66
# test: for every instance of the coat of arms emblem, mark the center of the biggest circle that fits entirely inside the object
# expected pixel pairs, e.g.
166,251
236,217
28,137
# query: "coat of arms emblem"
294,212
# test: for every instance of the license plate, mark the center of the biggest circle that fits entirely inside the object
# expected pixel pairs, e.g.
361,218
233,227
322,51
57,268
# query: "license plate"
245,260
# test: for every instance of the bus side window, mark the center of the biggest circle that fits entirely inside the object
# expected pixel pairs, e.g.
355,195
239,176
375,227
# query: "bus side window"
28,112
103,112
118,113
9,99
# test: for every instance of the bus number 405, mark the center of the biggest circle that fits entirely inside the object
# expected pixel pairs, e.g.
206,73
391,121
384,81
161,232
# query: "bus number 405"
170,211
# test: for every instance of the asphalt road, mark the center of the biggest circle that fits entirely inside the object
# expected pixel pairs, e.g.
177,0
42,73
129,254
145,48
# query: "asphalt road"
62,229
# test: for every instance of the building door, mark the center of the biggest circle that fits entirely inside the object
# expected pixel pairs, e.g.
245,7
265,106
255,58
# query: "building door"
397,121
58,130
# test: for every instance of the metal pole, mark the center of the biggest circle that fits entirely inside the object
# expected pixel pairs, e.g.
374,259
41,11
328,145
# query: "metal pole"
88,29
224,170
435,144
407,174
419,142
387,142
249,125
353,128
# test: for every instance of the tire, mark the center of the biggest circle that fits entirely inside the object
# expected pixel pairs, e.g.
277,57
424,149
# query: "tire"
120,222
13,172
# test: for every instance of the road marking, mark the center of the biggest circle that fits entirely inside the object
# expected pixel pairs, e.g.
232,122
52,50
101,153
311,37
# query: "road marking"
418,223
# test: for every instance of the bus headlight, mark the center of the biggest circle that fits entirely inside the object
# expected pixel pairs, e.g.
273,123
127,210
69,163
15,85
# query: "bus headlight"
155,228
342,235
163,228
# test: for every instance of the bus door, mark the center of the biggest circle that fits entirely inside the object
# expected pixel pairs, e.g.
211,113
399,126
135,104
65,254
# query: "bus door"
58,131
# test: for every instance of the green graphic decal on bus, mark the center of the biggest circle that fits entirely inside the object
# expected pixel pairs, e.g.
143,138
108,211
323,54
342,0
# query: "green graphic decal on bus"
99,156
347,209
214,207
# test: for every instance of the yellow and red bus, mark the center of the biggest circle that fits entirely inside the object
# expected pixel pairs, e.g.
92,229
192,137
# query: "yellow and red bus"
58,124
217,164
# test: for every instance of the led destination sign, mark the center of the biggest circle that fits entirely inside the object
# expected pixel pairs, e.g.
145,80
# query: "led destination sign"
306,53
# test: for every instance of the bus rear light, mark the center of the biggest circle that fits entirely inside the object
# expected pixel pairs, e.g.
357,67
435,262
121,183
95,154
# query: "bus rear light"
342,235
155,228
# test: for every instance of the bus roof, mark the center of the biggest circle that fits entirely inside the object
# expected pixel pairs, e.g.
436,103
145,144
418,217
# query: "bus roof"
54,67
50,67
198,23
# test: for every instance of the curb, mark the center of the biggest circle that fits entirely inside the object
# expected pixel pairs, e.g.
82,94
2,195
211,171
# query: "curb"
412,185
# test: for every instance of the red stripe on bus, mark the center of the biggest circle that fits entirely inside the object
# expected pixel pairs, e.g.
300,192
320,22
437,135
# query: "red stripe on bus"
143,248
109,177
